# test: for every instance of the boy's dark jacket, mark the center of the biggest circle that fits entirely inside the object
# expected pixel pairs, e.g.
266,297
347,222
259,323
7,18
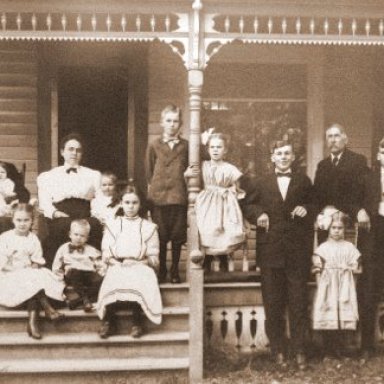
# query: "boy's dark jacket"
288,240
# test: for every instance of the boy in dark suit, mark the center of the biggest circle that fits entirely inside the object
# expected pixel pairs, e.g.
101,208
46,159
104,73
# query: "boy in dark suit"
166,162
280,206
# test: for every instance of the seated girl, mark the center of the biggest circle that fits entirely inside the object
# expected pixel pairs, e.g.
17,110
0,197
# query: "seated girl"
130,251
23,278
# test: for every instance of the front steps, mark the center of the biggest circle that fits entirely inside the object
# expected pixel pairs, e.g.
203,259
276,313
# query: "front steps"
72,352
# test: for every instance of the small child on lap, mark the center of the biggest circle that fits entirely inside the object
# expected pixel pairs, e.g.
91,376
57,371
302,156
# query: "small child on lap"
79,264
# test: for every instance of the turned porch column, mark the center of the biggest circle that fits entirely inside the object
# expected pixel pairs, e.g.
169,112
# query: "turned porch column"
195,270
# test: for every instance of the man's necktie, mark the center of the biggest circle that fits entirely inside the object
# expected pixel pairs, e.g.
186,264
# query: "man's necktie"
335,161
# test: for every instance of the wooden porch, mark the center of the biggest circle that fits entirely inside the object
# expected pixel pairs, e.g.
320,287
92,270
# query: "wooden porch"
197,36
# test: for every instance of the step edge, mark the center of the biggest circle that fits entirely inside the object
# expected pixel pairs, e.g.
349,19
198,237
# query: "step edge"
18,339
91,365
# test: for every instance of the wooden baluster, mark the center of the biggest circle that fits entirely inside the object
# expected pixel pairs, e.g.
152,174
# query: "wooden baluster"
49,22
167,23
312,26
326,26
209,326
19,20
138,23
123,23
284,25
3,21
367,27
270,25
256,25
340,27
227,24
224,325
354,27
239,327
79,22
64,22
253,328
94,22
108,22
231,262
298,25
245,256
153,23
241,25
34,22
381,27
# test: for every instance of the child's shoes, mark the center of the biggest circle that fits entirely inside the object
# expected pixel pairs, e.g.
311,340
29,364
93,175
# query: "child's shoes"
175,279
137,331
87,305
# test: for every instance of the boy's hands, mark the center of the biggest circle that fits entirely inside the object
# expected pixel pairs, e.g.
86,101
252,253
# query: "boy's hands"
299,211
263,221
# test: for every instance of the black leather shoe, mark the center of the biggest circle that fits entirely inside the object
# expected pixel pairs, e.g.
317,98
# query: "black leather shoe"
301,361
364,356
105,330
175,279
137,331
280,360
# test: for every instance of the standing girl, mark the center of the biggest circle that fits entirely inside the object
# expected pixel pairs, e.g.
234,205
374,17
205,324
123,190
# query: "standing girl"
335,262
23,279
106,202
218,214
130,251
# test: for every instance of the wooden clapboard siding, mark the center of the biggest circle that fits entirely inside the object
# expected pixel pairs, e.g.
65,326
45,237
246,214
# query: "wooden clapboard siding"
18,109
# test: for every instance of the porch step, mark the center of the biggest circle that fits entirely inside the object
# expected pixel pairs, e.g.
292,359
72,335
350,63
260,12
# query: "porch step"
90,345
91,365
93,370
77,321
175,294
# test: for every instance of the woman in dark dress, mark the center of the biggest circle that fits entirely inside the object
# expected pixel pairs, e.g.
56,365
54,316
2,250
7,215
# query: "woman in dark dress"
65,193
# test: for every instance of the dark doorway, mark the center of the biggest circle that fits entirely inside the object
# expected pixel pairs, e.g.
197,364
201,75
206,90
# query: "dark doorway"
93,102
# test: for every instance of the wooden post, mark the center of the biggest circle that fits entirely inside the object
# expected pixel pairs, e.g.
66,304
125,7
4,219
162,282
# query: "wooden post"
196,273
195,270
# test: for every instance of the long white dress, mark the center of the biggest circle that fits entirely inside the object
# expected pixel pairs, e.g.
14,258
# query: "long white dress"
127,242
218,214
335,305
18,280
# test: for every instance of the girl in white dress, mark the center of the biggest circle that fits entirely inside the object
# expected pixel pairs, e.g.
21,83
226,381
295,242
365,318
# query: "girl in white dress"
105,204
335,305
218,214
23,279
130,251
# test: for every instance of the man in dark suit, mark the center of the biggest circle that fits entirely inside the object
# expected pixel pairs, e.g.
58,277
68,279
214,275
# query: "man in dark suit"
279,204
373,248
339,182
339,179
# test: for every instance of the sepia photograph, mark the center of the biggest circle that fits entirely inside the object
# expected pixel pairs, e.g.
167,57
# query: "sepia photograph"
191,192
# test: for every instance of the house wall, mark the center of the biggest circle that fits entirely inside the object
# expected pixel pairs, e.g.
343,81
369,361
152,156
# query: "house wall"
342,86
167,84
18,108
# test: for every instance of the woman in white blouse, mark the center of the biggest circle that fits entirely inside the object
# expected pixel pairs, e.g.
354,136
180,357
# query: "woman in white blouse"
65,193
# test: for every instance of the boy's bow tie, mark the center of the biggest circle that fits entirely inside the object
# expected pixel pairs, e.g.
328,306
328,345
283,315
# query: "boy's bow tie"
281,174
174,140
72,169
72,248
